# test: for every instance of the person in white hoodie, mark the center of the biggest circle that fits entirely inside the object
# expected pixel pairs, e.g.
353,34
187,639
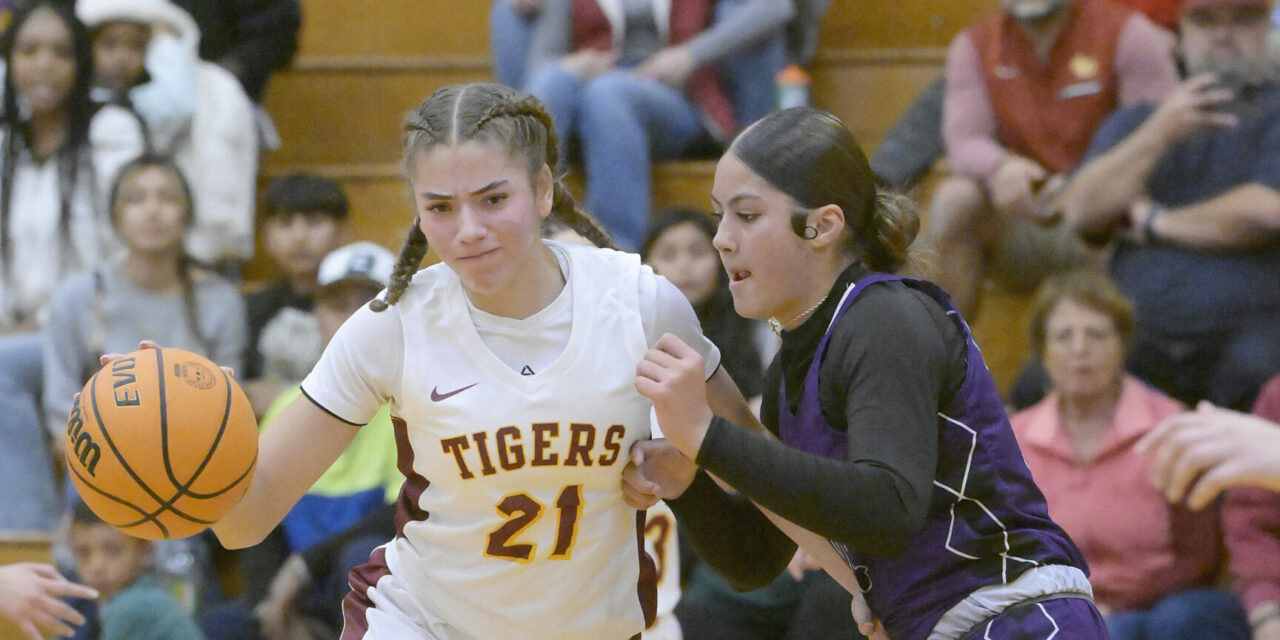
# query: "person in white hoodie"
145,55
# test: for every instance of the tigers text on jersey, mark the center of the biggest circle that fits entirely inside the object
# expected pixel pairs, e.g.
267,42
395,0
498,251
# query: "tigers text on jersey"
512,521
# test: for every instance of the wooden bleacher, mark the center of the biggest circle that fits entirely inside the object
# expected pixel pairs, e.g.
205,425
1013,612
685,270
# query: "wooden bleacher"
358,71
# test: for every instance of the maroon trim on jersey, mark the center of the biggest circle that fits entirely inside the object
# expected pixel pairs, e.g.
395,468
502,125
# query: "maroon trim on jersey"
647,585
407,505
356,605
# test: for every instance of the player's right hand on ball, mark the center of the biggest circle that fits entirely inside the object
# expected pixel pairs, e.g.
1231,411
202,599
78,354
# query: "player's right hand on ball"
657,470
106,358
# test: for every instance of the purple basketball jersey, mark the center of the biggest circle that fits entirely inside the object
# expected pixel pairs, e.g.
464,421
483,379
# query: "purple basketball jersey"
987,521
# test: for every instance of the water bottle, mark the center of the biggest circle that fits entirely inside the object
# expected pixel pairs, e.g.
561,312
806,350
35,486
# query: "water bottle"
178,568
793,84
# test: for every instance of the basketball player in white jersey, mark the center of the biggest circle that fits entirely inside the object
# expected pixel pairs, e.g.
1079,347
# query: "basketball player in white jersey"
510,371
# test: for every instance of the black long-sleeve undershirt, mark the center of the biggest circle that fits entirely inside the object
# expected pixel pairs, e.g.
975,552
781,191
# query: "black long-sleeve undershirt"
894,361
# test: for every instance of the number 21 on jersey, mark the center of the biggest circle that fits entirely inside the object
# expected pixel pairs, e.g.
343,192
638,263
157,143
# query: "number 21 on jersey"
521,511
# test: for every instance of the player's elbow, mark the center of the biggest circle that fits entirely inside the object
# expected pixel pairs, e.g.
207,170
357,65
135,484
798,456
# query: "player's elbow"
239,538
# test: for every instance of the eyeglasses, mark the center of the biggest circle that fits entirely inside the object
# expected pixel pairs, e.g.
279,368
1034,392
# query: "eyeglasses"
1238,17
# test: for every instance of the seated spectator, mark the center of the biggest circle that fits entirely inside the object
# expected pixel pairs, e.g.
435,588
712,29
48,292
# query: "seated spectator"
153,293
250,38
58,153
196,112
802,32
1153,566
362,479
511,24
748,74
633,86
1190,187
1025,89
303,220
134,605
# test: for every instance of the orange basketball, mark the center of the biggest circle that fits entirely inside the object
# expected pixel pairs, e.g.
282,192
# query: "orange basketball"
162,443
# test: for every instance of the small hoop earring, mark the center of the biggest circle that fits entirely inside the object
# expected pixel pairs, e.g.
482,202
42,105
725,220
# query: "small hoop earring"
810,232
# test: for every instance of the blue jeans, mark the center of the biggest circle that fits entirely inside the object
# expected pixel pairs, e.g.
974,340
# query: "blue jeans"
749,76
623,123
28,489
510,34
1203,614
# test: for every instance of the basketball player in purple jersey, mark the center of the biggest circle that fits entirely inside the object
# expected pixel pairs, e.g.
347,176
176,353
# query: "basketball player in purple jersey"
894,442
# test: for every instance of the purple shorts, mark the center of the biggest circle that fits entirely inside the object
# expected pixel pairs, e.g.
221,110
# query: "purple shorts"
1057,619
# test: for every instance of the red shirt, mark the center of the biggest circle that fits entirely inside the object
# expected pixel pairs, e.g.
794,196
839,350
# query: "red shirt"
1162,12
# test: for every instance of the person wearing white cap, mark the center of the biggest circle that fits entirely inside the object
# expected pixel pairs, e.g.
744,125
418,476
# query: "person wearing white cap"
145,58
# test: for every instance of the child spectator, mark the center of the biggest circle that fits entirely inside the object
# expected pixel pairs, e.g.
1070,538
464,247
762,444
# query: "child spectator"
57,154
133,605
145,58
154,292
303,221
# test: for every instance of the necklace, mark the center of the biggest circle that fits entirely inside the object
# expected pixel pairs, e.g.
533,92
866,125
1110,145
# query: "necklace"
777,327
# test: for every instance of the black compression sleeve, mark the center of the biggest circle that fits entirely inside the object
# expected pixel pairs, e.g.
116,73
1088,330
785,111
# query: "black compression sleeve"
890,360
731,535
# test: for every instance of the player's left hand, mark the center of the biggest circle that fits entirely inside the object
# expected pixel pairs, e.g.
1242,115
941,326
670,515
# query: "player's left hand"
673,376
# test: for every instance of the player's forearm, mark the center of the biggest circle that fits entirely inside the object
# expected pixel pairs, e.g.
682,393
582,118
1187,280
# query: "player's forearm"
859,504
731,535
1243,218
300,445
1100,193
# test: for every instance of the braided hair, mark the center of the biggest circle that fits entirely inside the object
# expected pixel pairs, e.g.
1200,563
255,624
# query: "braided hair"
186,265
485,111
79,111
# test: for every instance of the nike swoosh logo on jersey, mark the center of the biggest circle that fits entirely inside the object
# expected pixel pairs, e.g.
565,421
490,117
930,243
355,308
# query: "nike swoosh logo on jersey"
436,396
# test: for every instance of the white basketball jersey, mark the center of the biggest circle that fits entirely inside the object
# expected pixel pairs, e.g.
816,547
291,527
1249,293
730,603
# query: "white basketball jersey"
513,520
662,543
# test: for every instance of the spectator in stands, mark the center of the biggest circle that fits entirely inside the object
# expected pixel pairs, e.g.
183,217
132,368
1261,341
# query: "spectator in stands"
154,293
362,479
196,112
250,38
1079,444
632,85
30,595
58,152
1192,188
748,73
511,24
303,220
802,32
1026,87
134,605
